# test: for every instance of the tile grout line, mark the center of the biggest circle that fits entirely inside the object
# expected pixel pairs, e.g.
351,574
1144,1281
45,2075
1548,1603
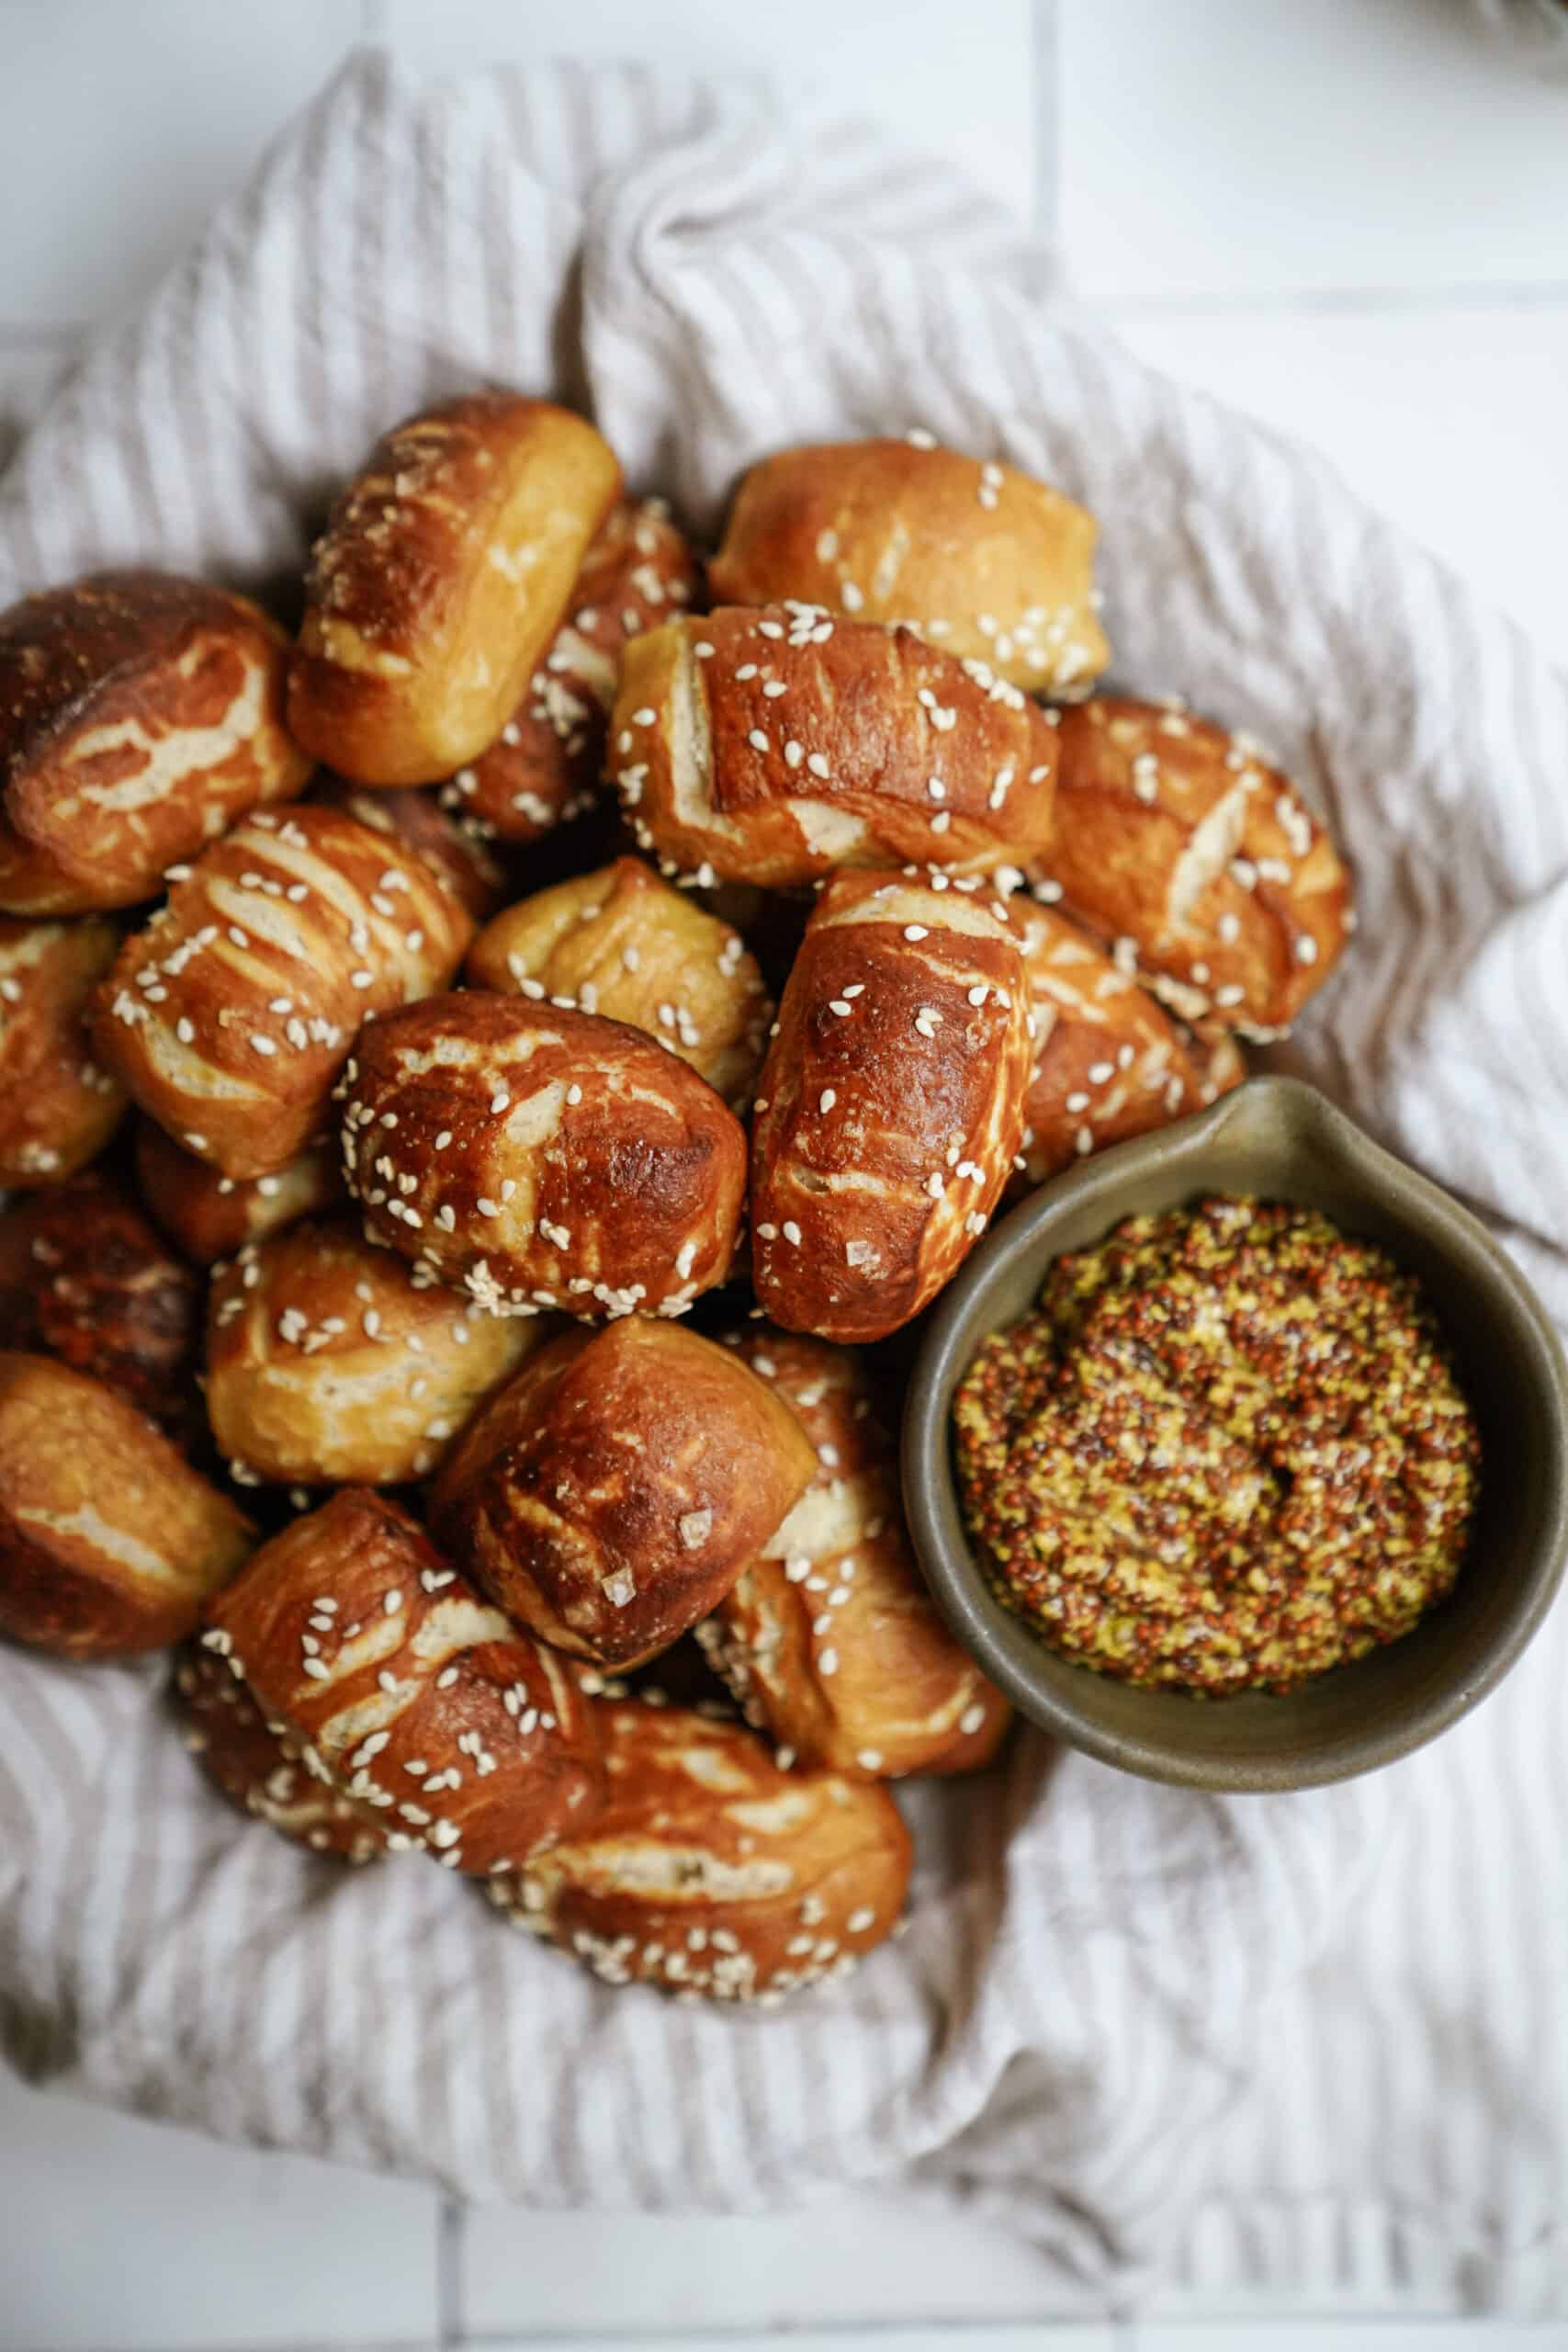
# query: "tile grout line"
1045,86
971,2335
451,2230
1345,301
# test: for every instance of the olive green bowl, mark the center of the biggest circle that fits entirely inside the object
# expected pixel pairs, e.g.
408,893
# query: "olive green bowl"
1280,1140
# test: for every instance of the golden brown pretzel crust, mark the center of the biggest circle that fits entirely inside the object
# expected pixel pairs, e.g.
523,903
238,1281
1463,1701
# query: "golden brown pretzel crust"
890,1105
1109,1062
712,1872
975,555
794,743
229,1016
211,1215
453,853
545,763
141,714
260,1767
542,1157
1201,859
58,1105
328,1365
829,1638
459,1732
443,574
623,942
110,1544
86,1278
615,1490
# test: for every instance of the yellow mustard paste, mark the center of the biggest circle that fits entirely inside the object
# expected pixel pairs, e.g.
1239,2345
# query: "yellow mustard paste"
1228,1451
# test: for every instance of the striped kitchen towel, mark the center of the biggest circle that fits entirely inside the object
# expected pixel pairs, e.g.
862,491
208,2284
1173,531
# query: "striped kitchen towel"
1321,2037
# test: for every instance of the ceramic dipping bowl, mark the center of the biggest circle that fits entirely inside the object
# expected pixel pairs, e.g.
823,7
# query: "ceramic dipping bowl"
1279,1139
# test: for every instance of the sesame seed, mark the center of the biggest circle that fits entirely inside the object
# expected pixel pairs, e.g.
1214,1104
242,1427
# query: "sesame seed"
826,1099
916,931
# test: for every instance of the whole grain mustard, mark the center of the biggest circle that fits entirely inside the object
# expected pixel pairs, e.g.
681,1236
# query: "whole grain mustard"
1227,1452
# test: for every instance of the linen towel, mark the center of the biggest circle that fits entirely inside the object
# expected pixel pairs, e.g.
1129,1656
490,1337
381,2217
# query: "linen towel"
1317,2037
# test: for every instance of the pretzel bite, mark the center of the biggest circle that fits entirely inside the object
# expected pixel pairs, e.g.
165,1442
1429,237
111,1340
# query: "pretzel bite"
710,1870
443,575
452,851
977,557
1218,1059
829,1638
615,1490
1108,1061
540,1158
624,944
890,1105
229,1016
458,1733
260,1767
990,1720
58,1105
110,1543
85,1278
545,765
771,746
211,1215
1201,859
139,716
327,1364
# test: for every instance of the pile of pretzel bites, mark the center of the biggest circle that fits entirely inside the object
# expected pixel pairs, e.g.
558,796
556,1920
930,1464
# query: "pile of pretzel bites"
554,937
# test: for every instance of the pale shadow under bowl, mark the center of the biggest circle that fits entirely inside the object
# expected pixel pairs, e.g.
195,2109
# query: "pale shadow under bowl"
1281,1140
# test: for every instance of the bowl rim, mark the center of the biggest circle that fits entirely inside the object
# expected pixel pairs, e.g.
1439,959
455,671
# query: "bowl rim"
958,1585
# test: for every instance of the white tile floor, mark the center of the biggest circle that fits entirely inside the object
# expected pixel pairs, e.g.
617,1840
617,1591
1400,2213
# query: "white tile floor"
1350,217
